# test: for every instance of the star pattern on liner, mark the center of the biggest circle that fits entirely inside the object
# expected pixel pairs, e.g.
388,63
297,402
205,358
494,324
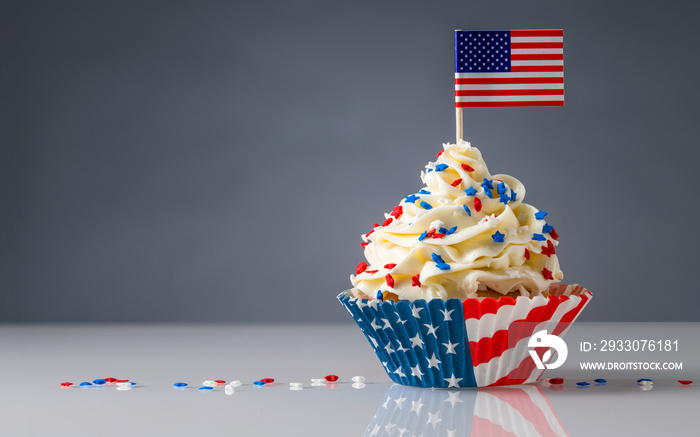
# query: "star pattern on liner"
389,426
385,405
415,371
453,382
453,398
401,431
374,341
360,303
387,325
399,401
400,372
374,325
431,329
433,419
416,341
446,314
434,362
375,431
450,347
451,433
388,348
401,349
417,405
416,311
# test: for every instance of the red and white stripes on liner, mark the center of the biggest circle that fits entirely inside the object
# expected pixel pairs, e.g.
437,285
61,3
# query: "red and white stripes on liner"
499,331
536,76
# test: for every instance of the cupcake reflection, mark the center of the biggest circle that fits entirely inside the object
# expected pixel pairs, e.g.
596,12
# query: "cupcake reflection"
514,410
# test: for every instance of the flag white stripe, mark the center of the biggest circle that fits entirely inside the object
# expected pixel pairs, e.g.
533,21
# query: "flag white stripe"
512,86
538,98
515,39
504,75
521,63
536,51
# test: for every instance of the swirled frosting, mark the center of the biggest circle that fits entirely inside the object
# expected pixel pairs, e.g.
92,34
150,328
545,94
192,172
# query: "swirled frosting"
467,233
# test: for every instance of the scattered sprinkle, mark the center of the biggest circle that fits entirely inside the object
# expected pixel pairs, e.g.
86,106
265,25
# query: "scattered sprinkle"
643,380
389,266
488,193
553,234
440,152
66,384
685,382
504,199
498,237
443,231
371,272
423,235
220,381
358,379
370,232
430,233
206,388
502,189
438,235
411,198
180,384
111,379
471,191
468,211
538,237
268,380
389,280
467,168
477,204
375,225
547,274
546,229
99,381
456,182
425,205
380,296
424,191
600,381
451,230
527,253
361,267
443,266
583,384
397,211
556,380
330,378
258,383
415,280
540,215
364,245
388,221
513,195
441,167
437,258
487,183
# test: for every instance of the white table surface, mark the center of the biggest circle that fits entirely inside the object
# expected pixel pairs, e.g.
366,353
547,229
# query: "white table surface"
35,359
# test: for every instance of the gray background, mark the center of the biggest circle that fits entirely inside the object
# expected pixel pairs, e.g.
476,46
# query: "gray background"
218,161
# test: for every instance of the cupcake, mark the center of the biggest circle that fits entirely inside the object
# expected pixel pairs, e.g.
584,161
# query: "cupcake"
457,278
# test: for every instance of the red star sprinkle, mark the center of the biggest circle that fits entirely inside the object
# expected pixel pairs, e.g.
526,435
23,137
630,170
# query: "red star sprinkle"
547,274
387,221
415,280
364,244
438,235
684,382
390,266
467,168
330,378
221,381
66,384
527,253
477,204
265,380
556,380
397,211
374,225
389,281
122,380
548,249
554,234
369,233
111,379
430,233
457,182
440,152
369,272
361,267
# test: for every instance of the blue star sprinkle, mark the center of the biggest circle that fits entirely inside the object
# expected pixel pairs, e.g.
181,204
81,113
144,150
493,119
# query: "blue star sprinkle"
443,266
441,167
583,384
540,215
438,259
471,191
502,188
487,183
600,381
498,237
411,198
423,235
513,195
466,208
505,198
538,237
488,193
451,230
429,170
443,231
380,296
547,229
424,191
425,205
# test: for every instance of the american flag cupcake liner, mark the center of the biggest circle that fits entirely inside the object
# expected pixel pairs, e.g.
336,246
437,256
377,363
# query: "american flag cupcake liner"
471,343
516,410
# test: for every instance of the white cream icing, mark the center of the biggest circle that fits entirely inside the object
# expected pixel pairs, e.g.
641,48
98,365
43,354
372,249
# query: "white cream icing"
464,254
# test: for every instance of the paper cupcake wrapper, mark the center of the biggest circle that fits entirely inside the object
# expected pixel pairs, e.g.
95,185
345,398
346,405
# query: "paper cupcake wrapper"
474,343
521,410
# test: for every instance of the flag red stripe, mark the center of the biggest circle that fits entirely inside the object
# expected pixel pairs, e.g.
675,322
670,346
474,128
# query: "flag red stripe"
481,426
520,401
490,80
504,104
536,45
537,57
536,32
537,68
536,92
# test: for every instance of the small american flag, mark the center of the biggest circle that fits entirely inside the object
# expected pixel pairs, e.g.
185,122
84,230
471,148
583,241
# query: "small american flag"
509,68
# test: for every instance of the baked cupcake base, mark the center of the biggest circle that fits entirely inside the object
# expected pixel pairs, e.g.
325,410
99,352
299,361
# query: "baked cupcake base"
471,343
